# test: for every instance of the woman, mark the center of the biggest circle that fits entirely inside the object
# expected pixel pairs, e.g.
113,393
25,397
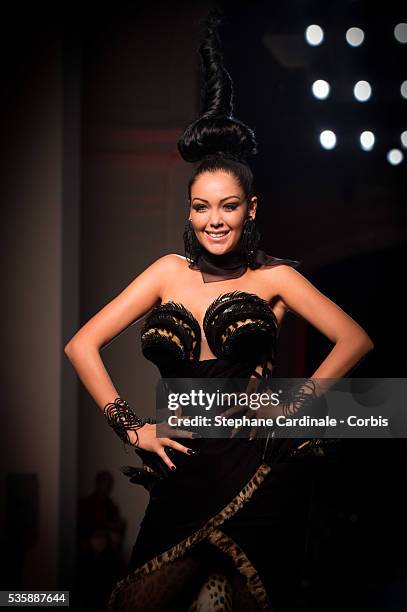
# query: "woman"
208,540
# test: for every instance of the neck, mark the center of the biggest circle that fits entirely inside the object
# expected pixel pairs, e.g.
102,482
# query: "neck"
223,266
234,255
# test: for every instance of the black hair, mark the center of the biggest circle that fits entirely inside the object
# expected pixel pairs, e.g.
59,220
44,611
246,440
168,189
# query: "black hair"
217,140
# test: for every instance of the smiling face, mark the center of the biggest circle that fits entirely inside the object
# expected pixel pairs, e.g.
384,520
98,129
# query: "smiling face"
218,210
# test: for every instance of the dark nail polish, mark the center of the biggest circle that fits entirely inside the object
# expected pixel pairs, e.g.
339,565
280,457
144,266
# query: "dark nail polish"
173,468
191,452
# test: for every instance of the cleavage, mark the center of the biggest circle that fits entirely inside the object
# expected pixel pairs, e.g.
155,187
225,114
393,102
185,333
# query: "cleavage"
217,298
200,325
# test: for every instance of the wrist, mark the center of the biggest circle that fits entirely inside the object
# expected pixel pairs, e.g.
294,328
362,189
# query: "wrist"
300,398
122,419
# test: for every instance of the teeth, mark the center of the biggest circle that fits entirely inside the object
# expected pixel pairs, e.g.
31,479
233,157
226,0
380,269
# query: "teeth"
217,235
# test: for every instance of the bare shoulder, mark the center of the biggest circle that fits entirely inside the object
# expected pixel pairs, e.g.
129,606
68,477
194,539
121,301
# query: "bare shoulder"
171,261
167,264
281,274
180,259
156,275
169,268
171,264
288,282
277,278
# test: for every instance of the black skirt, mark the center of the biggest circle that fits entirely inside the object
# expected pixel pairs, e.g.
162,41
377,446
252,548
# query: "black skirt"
229,529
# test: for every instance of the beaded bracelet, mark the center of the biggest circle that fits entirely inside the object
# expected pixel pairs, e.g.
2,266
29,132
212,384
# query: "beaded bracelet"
121,418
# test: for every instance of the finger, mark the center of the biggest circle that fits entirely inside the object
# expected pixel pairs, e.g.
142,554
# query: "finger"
235,430
180,447
253,433
181,433
233,410
182,418
160,451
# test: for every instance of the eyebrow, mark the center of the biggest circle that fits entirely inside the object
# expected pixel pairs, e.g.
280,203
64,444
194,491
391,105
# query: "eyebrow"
222,200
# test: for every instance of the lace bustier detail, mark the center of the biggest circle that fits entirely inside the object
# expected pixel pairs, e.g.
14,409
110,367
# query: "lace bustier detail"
170,331
237,325
240,325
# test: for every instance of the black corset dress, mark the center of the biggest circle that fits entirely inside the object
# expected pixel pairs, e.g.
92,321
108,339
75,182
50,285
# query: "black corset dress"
236,496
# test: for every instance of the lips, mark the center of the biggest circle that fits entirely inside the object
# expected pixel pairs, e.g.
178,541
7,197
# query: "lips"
217,236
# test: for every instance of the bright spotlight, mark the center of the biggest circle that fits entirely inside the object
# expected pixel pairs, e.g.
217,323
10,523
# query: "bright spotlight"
321,89
403,89
403,138
355,37
327,139
367,140
314,35
395,157
362,91
400,32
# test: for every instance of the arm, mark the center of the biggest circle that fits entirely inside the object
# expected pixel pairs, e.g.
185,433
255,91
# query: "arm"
351,342
131,304
83,351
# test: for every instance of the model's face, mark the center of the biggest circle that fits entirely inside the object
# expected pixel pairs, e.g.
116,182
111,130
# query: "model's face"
218,210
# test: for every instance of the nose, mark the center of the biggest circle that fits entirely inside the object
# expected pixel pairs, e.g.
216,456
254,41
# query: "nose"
216,220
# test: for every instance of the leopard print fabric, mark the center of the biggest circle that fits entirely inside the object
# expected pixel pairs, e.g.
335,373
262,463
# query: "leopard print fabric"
205,580
176,567
224,593
214,596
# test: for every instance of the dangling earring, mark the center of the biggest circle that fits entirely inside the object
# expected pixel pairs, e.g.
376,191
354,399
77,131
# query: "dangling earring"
250,240
192,247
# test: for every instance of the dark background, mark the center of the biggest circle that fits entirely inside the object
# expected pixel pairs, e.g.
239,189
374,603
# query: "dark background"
129,84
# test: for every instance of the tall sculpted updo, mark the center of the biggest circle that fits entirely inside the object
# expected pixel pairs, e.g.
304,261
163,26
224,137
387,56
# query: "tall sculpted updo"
217,140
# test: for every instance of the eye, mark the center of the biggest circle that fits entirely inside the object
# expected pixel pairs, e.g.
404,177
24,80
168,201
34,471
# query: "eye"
231,206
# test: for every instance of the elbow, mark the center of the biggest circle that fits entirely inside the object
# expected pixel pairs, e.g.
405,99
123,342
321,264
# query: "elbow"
361,342
71,346
76,346
368,344
68,348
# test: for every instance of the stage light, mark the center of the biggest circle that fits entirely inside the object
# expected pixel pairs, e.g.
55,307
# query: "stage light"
321,89
327,138
362,91
355,37
395,157
403,138
403,89
400,32
314,35
367,140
